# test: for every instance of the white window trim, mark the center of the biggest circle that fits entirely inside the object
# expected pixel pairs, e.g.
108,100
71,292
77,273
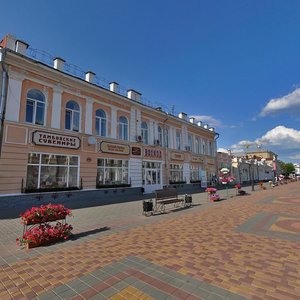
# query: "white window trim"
60,154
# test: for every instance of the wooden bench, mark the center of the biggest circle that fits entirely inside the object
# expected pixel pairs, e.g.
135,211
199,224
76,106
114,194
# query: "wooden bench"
167,196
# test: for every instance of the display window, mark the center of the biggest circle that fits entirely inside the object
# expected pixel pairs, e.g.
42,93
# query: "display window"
112,172
52,172
176,173
194,173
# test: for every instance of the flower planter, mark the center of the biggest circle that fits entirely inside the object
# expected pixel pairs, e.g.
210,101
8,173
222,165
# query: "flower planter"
40,231
44,220
43,243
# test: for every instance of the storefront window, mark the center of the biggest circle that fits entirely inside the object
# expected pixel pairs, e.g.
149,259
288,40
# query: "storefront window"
50,171
151,172
112,172
176,173
194,173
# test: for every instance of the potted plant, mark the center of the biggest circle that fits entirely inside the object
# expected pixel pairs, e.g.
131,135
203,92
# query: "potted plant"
212,194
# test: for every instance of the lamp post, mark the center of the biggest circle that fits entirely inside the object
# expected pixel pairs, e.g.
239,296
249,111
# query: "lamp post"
252,173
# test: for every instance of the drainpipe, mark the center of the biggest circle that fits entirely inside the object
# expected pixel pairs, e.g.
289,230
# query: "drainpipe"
3,96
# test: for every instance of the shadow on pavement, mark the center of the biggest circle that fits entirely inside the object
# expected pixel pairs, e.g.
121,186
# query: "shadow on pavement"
79,235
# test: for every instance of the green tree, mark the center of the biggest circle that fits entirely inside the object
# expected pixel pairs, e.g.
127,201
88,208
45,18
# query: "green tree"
287,168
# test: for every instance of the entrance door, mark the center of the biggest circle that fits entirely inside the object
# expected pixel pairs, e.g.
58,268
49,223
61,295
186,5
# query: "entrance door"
152,176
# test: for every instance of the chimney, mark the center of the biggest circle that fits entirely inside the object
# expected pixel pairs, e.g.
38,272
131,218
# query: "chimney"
192,120
134,95
9,42
58,63
89,76
114,87
199,123
21,47
182,115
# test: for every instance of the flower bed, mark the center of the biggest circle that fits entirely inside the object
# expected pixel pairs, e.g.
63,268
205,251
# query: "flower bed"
44,234
40,231
45,213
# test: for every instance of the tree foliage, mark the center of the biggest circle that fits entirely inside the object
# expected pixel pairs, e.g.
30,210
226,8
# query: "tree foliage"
287,168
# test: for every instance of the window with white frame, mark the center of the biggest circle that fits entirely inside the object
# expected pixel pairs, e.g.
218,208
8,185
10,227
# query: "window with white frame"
197,145
167,137
52,171
123,128
194,173
72,116
190,143
101,123
178,140
144,132
35,107
112,172
176,173
204,147
160,135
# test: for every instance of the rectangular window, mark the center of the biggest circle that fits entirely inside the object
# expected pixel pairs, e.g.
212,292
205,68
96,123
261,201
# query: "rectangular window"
112,172
51,171
178,140
176,173
194,173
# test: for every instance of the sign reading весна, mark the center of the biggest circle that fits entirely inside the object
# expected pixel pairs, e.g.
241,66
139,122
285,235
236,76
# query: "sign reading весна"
42,138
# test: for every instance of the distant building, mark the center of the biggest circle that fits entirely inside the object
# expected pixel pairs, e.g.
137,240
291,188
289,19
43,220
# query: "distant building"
260,165
297,169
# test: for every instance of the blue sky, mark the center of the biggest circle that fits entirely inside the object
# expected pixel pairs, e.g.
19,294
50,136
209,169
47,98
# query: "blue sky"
232,64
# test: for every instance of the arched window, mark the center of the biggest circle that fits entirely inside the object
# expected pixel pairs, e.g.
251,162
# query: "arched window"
35,107
123,128
144,128
160,135
100,125
72,117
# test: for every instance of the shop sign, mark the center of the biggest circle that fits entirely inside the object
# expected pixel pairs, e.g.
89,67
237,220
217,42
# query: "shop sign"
152,153
136,151
210,161
114,148
197,159
177,156
42,138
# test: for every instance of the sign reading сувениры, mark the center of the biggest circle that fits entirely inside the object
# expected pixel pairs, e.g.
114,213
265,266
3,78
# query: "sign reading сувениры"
43,138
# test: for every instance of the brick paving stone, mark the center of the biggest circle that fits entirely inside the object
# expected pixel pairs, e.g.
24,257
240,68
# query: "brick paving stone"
206,250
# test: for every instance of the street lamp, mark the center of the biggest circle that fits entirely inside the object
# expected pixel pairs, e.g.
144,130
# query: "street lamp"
252,173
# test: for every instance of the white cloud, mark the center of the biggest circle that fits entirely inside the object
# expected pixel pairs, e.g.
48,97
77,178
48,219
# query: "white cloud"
296,156
223,150
288,103
211,121
279,137
282,137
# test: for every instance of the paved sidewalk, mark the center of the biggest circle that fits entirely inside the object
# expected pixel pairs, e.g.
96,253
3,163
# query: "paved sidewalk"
239,248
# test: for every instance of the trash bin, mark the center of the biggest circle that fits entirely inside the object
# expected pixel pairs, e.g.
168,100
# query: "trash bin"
188,200
147,207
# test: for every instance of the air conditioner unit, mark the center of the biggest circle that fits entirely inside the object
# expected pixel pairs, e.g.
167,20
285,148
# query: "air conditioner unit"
139,138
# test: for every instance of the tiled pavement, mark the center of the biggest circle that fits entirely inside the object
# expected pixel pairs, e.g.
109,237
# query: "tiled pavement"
243,247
